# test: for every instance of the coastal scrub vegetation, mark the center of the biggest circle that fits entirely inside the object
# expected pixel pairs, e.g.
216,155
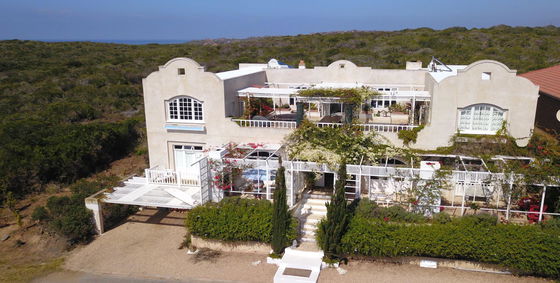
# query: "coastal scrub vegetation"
68,217
65,105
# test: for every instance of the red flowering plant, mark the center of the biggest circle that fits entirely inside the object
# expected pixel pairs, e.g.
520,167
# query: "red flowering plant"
257,106
531,204
225,171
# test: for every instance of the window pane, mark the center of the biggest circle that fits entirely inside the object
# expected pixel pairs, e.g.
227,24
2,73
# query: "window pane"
187,109
497,119
173,110
197,111
480,118
465,119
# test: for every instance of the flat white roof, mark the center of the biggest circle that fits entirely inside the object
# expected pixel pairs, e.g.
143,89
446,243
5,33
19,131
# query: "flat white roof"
442,74
239,73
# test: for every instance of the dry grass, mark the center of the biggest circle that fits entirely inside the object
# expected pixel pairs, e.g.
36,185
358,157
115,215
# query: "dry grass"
26,272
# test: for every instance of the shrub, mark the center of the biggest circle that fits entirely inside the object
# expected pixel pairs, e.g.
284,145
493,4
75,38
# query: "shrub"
332,228
235,219
369,209
523,249
40,213
478,219
68,216
280,217
441,218
552,225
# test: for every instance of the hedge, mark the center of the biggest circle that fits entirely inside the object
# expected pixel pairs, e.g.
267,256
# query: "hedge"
528,250
235,219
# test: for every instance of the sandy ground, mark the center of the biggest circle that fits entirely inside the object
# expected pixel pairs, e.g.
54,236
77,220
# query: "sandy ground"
142,248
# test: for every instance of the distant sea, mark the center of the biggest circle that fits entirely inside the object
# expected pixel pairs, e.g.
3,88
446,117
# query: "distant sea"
118,41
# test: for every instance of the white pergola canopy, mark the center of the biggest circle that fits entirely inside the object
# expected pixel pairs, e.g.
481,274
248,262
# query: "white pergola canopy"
286,93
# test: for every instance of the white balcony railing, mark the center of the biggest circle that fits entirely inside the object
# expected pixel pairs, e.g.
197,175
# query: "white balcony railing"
171,177
265,124
385,128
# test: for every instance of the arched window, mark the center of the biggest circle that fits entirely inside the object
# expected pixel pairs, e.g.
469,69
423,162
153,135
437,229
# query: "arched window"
480,119
184,109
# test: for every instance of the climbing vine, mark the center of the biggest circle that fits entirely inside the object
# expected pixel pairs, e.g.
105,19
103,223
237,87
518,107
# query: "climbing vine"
331,145
408,136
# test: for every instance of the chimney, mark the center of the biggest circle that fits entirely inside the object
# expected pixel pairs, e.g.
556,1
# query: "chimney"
301,64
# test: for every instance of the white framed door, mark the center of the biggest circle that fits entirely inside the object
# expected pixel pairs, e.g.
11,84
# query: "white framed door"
184,156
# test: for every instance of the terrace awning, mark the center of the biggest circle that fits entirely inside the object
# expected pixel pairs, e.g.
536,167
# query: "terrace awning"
267,92
286,93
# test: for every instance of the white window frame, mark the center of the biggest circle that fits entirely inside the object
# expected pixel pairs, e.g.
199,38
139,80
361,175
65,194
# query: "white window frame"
472,119
192,109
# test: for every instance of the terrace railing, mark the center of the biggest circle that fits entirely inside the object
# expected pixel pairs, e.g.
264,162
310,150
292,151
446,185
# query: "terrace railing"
171,177
377,171
265,124
385,128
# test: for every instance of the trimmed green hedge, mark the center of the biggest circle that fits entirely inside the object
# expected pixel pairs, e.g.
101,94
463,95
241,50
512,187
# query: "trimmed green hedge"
528,250
235,219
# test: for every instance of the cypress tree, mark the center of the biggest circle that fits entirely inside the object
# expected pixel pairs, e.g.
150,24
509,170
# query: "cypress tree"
281,216
334,226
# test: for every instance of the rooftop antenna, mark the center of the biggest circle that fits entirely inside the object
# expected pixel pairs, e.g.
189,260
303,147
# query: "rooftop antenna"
437,63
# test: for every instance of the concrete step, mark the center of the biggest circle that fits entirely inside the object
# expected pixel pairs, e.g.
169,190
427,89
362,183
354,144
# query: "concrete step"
317,196
310,222
312,207
309,227
309,246
308,240
318,212
310,232
314,201
313,218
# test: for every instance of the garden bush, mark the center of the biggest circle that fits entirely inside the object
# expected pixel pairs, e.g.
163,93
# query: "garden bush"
441,218
528,250
369,209
235,219
68,216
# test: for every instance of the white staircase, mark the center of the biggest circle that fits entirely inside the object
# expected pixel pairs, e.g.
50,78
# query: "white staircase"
312,211
299,267
303,264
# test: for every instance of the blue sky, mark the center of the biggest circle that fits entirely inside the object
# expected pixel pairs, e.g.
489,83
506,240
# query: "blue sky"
186,20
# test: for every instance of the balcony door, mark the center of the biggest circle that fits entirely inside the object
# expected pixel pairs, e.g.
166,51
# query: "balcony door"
184,156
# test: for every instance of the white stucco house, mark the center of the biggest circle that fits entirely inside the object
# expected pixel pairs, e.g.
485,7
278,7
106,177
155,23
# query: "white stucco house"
192,115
